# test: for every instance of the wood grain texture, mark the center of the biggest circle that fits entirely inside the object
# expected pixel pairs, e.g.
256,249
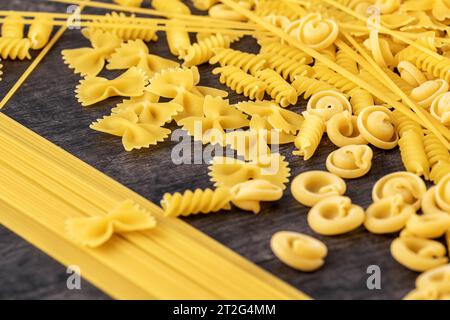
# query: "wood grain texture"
46,104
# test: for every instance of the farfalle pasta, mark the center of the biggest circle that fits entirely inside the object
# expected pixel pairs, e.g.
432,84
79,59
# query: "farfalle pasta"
95,89
278,89
424,94
90,61
247,62
376,126
350,162
250,144
248,195
40,31
440,108
299,251
335,215
406,184
309,136
310,187
342,130
261,124
94,231
326,104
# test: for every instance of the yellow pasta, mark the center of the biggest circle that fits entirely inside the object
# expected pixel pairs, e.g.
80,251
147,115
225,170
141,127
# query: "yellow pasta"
221,11
410,73
428,91
433,284
248,195
274,46
435,150
202,51
403,124
388,6
412,151
171,6
376,126
39,32
129,3
328,103
310,135
333,78
440,108
250,144
439,170
288,68
350,162
266,7
429,204
380,49
306,87
310,187
443,193
248,62
388,215
13,26
11,48
334,216
298,251
273,135
429,226
199,201
279,90
342,130
406,184
346,62
177,38
241,82
204,4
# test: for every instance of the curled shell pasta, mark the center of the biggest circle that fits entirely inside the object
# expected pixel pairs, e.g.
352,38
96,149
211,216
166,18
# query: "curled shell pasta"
298,251
406,184
442,193
376,126
342,129
440,108
248,195
429,226
410,73
429,204
335,215
310,187
327,103
381,51
350,162
424,94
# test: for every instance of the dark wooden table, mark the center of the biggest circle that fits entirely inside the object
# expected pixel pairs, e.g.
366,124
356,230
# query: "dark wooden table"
47,105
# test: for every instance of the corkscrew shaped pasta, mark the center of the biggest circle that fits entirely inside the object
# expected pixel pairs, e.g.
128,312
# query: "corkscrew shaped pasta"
412,151
274,46
95,89
440,108
342,130
135,135
430,207
289,69
346,62
310,187
333,78
96,230
306,87
11,48
228,172
435,150
406,184
376,126
135,53
199,201
279,118
410,73
310,135
424,94
248,195
132,31
177,38
202,51
370,78
241,82
90,61
433,284
171,6
278,21
314,31
298,251
380,49
247,62
129,3
388,215
399,82
360,99
335,215
326,104
443,193
404,124
39,32
13,26
218,116
439,170
429,226
418,254
350,162
278,89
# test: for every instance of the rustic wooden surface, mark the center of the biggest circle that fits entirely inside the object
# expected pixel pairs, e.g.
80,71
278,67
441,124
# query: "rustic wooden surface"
46,104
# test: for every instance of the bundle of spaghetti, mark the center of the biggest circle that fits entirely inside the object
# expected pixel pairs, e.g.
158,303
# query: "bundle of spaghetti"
280,90
288,68
306,86
280,8
346,62
375,82
247,62
44,186
274,46
171,6
333,78
128,29
360,99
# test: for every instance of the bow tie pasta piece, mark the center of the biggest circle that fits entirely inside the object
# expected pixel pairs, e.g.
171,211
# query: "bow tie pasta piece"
251,144
309,136
90,61
424,94
136,54
334,216
168,83
342,129
11,48
278,89
430,205
279,118
406,184
376,126
228,172
440,108
326,104
134,135
310,187
199,201
218,116
95,89
429,226
39,32
96,230
350,162
388,215
411,74
248,195
247,62
299,251
273,135
418,254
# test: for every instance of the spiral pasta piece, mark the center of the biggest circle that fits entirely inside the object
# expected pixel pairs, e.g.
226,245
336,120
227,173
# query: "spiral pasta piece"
306,87
202,51
376,126
13,26
381,51
281,91
177,39
443,193
412,151
350,162
199,201
418,254
221,11
310,135
276,47
439,171
248,195
241,82
346,62
171,6
406,184
424,94
39,32
398,81
440,108
435,150
333,78
410,73
328,103
298,251
13,49
404,124
248,62
267,7
429,204
289,69
342,129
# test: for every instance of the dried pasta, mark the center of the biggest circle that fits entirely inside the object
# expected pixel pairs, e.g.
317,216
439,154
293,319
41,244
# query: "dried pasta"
342,130
278,89
346,62
350,162
40,32
443,193
171,6
412,151
298,251
376,126
13,26
328,103
129,3
429,204
11,48
333,78
177,38
424,94
248,62
410,73
429,226
306,87
288,68
204,4
202,51
248,195
432,285
380,49
440,108
274,46
221,11
310,135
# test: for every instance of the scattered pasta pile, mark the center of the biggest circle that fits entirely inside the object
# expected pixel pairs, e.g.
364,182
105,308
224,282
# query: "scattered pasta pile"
375,73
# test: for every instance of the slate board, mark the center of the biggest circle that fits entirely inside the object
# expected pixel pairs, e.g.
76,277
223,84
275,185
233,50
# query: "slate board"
47,105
